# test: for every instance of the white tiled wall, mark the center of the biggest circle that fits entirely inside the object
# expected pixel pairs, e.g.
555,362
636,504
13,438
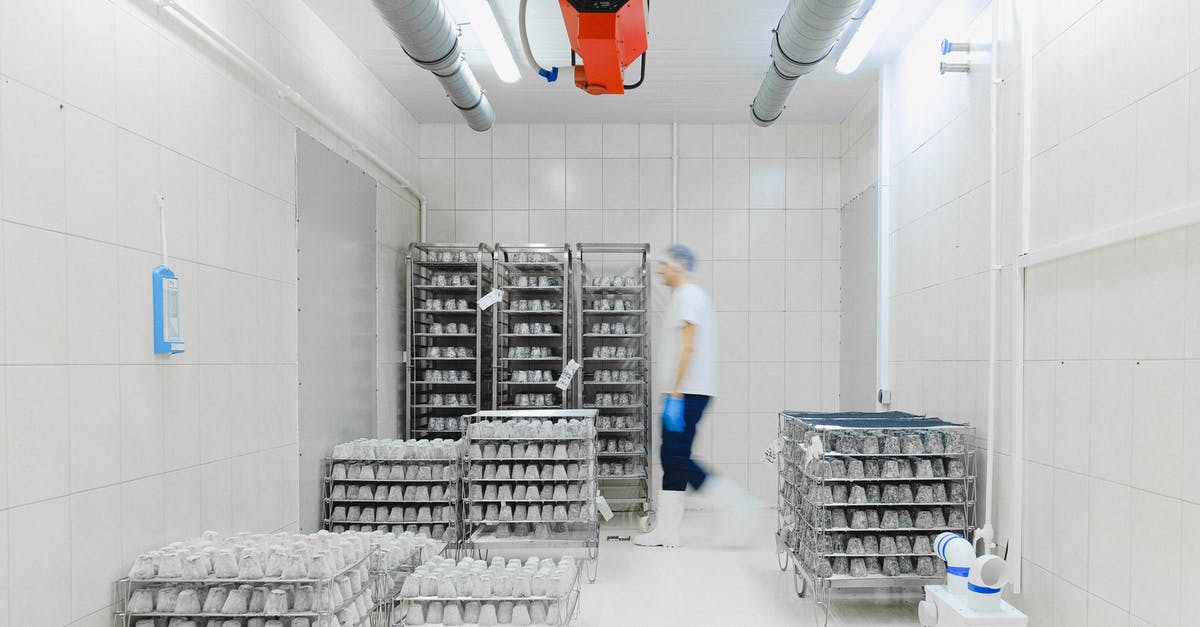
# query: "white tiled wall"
1111,505
105,449
759,206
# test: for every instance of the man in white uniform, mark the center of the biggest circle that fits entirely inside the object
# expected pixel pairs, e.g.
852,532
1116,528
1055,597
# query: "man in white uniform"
687,371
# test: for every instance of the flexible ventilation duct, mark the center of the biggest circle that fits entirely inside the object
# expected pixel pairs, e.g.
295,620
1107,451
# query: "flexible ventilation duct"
805,36
430,38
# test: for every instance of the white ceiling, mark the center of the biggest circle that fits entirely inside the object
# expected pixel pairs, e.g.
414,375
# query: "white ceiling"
706,60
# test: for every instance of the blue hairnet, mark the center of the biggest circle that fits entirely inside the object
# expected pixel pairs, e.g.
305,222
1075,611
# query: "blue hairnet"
681,256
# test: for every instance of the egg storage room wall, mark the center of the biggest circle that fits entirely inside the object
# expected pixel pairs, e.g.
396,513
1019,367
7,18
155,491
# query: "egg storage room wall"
1109,500
108,450
759,207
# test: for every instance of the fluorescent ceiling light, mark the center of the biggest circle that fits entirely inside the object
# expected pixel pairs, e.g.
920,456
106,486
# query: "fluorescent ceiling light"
483,20
872,26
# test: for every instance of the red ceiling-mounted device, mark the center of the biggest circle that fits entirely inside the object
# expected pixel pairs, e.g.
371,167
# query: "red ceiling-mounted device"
609,35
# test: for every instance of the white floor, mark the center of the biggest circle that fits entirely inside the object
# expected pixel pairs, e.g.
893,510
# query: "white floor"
706,584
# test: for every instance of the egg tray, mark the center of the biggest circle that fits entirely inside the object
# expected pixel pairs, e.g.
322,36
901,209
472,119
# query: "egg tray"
851,482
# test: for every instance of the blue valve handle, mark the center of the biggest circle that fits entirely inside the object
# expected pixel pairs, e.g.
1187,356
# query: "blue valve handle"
673,414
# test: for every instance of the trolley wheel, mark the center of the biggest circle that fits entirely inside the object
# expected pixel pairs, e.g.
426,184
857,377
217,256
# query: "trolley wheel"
799,581
783,557
646,523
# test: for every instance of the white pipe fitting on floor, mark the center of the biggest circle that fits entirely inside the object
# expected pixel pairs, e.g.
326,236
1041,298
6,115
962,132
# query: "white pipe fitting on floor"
988,576
958,554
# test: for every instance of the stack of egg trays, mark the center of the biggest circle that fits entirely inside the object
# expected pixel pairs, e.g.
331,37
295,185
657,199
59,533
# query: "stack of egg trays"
425,418
521,271
370,562
392,488
597,262
871,503
568,602
391,580
483,510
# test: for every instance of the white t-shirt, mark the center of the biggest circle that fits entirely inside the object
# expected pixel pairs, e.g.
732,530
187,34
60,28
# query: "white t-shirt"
689,304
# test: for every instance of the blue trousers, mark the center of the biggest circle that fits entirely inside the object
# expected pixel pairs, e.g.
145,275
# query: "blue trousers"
679,469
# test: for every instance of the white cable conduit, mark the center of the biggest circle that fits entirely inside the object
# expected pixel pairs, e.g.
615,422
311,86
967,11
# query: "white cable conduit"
231,50
883,233
429,37
988,532
1017,478
805,36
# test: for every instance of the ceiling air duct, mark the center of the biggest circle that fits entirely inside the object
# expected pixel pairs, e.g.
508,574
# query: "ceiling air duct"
806,34
429,37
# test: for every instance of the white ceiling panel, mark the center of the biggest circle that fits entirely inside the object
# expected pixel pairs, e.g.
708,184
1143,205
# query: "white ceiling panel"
706,60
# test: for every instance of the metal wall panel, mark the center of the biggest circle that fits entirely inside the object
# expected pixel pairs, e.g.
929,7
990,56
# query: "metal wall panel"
860,276
336,207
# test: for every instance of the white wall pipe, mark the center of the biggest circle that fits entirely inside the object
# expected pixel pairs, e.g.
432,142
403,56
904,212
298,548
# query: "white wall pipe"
675,181
429,37
884,246
959,555
231,50
988,533
1017,471
803,39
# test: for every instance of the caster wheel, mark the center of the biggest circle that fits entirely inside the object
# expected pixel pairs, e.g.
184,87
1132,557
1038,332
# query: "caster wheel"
783,559
646,523
800,583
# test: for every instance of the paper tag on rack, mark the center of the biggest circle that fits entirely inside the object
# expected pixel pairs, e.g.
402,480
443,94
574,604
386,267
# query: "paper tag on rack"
568,374
771,455
492,298
603,508
815,449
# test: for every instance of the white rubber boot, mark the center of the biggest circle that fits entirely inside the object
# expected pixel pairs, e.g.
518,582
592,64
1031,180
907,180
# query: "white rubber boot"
670,515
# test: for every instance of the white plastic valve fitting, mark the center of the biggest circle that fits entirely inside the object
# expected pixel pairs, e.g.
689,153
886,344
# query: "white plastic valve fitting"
958,555
988,576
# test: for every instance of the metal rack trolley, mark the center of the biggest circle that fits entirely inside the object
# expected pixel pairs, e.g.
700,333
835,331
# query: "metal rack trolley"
564,607
839,471
536,281
388,609
125,616
485,532
343,475
432,380
612,283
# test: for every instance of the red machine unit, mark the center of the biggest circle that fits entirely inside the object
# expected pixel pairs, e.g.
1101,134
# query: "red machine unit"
609,35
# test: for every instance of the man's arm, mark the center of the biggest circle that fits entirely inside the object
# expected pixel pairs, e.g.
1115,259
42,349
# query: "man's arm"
688,345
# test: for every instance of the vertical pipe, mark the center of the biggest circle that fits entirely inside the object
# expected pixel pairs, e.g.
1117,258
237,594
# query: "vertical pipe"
1017,488
993,275
883,247
675,181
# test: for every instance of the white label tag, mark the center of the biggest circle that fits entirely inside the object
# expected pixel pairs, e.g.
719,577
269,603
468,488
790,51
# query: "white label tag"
492,298
603,508
771,455
568,374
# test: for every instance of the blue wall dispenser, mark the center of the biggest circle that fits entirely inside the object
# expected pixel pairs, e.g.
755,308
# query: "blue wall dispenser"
167,338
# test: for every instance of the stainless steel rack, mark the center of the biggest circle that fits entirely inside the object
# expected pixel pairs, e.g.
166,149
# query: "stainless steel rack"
444,520
132,593
536,280
613,339
436,274
487,528
862,496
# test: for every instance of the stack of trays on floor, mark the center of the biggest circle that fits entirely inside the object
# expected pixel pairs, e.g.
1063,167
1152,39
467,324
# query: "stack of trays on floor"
476,592
530,478
395,485
864,496
279,580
